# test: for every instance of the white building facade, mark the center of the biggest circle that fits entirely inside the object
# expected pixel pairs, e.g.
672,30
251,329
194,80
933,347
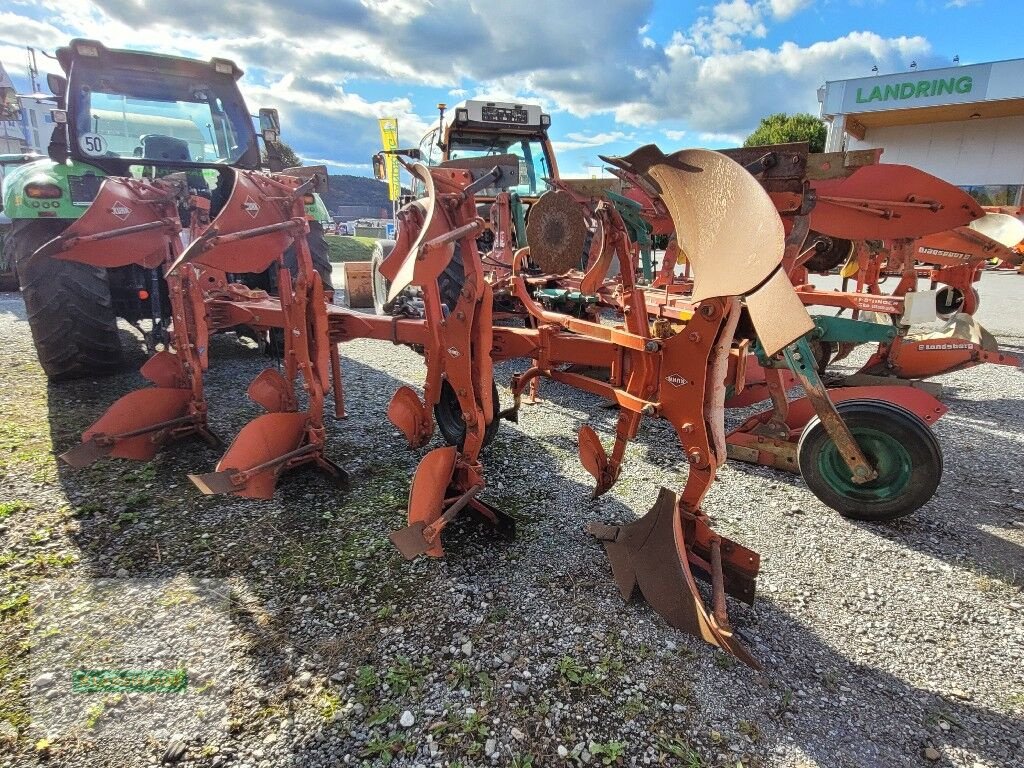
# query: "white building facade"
962,124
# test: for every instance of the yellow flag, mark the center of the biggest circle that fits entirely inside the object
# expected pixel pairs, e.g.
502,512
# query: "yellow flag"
389,138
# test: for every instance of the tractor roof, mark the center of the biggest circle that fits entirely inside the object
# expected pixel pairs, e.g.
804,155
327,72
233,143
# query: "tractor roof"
80,48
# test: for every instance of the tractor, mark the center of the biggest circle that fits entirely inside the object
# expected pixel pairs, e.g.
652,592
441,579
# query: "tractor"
131,114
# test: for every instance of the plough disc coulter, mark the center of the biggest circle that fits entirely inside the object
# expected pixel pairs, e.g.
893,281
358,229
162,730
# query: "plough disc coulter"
735,244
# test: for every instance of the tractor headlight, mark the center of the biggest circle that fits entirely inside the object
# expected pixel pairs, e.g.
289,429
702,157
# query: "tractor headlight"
43,191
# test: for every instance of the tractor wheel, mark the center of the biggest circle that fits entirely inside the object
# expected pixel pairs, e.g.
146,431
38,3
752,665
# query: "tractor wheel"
68,306
319,252
898,444
448,415
380,284
450,282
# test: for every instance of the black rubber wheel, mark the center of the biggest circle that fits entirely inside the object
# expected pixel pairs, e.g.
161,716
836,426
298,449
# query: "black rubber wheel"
823,352
68,306
8,270
829,252
896,442
380,284
319,252
448,415
450,282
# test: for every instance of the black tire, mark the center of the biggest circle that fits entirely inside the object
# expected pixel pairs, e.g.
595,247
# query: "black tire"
380,284
450,282
448,415
68,306
319,252
895,441
829,253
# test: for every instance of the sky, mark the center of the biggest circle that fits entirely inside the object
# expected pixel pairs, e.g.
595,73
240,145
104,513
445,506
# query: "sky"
613,74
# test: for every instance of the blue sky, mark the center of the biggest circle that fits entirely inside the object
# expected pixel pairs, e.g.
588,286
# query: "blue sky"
614,74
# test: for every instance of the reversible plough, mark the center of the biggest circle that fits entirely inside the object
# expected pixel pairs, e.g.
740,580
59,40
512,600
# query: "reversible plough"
683,370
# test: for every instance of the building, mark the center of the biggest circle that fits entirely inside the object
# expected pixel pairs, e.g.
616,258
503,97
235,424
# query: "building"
32,131
962,124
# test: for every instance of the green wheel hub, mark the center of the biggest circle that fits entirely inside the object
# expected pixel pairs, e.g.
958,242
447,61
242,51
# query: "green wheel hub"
884,453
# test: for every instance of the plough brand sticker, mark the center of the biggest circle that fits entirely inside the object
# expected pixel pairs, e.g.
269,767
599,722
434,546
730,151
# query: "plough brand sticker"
676,380
251,207
121,210
942,347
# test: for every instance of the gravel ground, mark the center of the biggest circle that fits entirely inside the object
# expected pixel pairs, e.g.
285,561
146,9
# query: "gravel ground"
882,645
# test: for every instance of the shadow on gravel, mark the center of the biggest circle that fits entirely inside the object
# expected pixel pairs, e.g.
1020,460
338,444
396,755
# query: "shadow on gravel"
315,581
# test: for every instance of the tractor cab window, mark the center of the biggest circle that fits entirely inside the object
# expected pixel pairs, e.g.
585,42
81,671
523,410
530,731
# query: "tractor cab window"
430,154
533,160
162,118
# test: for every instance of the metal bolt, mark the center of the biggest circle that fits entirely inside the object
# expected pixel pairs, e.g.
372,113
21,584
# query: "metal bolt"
707,311
460,315
694,337
651,346
696,457
687,428
648,410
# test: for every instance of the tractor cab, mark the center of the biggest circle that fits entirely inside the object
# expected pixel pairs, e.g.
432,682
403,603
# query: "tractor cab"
125,111
486,128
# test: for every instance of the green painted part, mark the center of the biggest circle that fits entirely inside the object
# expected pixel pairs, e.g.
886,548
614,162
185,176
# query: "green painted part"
884,452
805,365
832,329
518,218
317,210
564,296
844,329
45,171
639,230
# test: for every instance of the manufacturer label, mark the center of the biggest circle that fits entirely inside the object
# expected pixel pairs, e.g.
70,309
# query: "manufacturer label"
251,207
120,210
942,347
676,380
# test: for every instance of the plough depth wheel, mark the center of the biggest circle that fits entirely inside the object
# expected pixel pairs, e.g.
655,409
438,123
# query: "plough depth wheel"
897,444
448,415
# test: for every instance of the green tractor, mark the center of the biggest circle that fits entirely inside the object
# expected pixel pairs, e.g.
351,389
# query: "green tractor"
127,113
8,273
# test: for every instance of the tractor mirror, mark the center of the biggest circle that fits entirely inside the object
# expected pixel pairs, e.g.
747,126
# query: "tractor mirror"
58,85
379,168
270,124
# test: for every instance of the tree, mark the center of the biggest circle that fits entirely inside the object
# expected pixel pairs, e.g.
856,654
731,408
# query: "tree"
781,128
288,156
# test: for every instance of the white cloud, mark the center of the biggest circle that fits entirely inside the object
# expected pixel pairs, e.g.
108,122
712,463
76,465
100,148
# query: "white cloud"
783,9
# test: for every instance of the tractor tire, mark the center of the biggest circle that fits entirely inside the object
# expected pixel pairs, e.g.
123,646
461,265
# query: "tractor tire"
829,253
68,306
448,415
450,282
319,252
896,442
380,284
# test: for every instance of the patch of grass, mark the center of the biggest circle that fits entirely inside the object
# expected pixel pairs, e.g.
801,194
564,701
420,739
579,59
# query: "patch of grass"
609,752
383,715
386,749
8,508
460,675
403,676
750,729
346,248
673,746
330,705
